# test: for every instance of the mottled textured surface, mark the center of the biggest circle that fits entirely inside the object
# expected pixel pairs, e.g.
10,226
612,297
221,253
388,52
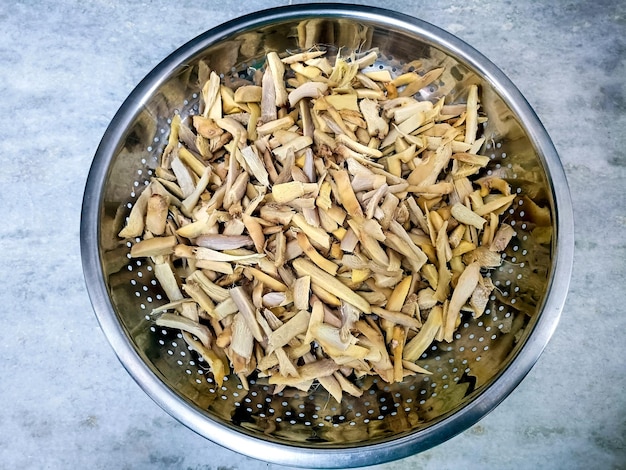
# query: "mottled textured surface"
66,67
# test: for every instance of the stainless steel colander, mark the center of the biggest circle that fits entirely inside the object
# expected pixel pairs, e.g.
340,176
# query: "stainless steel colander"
470,376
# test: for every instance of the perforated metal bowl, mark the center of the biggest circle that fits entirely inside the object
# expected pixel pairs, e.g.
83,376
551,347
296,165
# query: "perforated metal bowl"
470,376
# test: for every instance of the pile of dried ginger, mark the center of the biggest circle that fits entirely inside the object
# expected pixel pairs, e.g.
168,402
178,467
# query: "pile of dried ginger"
322,223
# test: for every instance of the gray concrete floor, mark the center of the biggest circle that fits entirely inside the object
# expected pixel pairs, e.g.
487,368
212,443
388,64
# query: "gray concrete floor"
65,68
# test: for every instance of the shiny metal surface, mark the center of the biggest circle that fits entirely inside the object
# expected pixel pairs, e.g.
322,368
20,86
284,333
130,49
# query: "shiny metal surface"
470,376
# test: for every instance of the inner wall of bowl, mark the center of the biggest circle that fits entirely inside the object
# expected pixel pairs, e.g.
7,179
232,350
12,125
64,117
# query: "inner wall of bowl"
482,347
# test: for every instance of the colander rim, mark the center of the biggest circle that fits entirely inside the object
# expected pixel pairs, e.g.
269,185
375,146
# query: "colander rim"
338,457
